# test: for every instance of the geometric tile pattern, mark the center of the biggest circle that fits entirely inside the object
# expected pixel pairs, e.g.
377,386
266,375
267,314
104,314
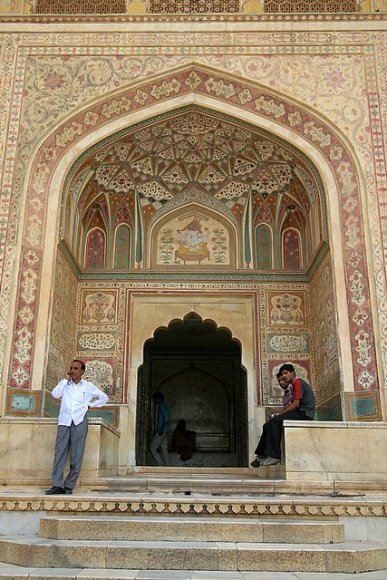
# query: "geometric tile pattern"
311,6
80,7
194,7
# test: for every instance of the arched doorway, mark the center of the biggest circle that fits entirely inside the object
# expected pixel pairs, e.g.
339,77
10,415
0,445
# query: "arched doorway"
198,369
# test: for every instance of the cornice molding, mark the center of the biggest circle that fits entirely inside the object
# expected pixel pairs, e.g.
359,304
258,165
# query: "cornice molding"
171,18
222,506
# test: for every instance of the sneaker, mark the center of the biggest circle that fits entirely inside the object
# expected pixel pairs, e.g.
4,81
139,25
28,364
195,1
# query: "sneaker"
255,463
270,461
55,490
68,491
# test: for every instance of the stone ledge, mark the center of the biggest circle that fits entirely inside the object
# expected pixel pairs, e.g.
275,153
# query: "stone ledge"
336,424
53,421
335,451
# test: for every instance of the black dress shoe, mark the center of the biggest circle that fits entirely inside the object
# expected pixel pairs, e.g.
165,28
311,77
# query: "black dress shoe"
55,490
68,491
255,463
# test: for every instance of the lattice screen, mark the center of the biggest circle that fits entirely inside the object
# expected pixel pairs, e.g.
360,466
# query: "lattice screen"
194,6
80,7
311,6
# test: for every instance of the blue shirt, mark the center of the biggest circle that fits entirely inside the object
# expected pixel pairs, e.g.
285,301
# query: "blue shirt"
163,419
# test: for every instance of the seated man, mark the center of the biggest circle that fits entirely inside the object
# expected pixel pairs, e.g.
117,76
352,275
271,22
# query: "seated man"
299,406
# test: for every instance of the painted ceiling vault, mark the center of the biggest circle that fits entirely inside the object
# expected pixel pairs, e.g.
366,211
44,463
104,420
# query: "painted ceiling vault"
192,155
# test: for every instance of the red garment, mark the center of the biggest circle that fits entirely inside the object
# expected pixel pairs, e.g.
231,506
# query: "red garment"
184,441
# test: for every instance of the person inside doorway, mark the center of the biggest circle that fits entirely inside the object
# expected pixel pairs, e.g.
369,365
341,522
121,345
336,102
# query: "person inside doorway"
76,395
298,404
183,441
159,443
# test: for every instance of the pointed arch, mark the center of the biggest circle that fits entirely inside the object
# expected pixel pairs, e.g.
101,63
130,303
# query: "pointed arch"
246,100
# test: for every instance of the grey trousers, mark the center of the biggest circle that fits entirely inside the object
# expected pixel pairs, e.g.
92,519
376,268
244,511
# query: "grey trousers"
159,449
69,440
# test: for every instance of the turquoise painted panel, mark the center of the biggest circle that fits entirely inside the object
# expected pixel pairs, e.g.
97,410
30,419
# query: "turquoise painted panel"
363,406
26,403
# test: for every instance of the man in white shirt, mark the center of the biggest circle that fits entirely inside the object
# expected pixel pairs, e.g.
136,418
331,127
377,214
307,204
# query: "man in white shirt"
77,396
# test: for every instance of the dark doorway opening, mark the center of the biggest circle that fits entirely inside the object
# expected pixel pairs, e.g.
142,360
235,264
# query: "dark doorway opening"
198,369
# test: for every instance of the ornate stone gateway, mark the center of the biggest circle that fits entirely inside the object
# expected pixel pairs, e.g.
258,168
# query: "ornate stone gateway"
164,196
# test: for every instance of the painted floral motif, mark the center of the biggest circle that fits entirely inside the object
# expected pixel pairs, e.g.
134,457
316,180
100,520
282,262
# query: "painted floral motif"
286,309
219,246
363,348
167,242
100,373
99,307
97,341
289,343
357,287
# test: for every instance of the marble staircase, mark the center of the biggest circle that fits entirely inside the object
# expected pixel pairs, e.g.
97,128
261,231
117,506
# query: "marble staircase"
188,543
215,521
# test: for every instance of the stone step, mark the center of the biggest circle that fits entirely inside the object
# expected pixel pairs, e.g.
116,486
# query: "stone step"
11,572
354,557
217,482
246,480
191,529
